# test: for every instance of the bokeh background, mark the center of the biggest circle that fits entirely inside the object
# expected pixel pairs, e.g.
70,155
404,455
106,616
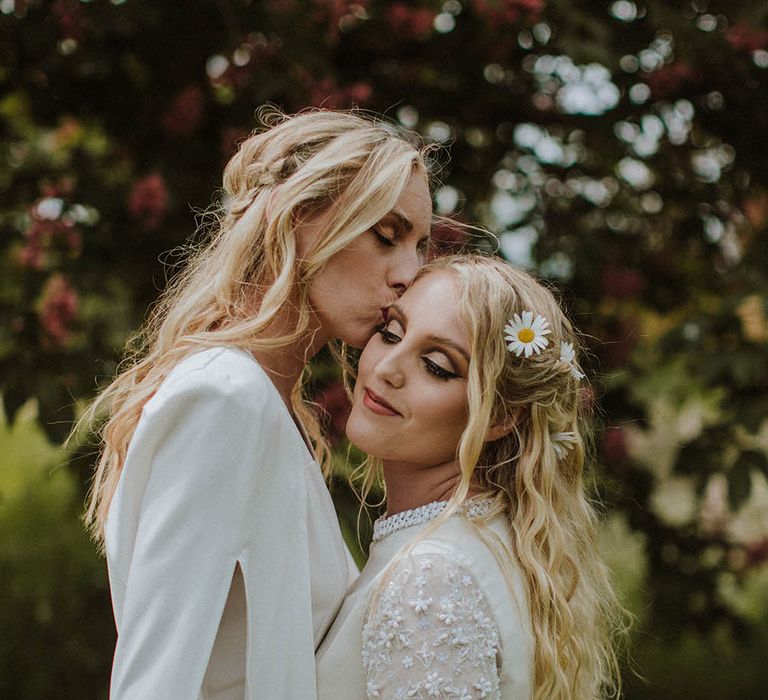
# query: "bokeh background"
618,149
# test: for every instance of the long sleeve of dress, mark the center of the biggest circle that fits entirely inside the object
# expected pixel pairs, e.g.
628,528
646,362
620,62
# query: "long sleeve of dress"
429,633
201,460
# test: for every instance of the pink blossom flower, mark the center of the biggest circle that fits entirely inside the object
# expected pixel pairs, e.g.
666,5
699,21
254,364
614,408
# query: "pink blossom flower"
613,446
325,93
335,407
744,37
360,93
148,200
755,208
64,185
498,12
622,282
756,553
32,255
43,235
667,80
57,310
69,17
411,22
186,112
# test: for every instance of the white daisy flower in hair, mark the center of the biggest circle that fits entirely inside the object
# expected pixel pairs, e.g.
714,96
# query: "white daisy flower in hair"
563,442
526,335
568,355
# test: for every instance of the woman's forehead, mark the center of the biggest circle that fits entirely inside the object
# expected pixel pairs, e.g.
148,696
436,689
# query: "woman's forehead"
431,303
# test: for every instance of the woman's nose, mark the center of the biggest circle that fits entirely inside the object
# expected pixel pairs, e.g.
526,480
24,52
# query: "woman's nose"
404,270
388,370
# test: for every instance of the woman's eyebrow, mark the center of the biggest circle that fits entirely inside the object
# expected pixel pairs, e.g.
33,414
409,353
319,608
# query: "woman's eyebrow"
403,222
450,343
405,225
434,338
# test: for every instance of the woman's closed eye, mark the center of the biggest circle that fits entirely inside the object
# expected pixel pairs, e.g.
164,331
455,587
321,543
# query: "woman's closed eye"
436,369
382,239
391,333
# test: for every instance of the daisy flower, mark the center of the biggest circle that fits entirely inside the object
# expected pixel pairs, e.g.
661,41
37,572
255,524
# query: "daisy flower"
563,442
525,335
568,356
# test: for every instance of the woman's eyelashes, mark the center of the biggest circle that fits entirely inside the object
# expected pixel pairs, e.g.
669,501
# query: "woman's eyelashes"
437,370
391,334
390,240
382,239
388,336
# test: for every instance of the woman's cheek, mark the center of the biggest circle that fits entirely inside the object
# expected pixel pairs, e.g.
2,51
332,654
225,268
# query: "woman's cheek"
365,367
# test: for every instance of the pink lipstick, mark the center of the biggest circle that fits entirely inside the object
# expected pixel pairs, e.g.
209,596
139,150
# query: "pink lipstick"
378,405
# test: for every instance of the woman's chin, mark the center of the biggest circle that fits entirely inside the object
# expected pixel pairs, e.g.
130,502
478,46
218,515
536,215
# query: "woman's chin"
353,437
360,437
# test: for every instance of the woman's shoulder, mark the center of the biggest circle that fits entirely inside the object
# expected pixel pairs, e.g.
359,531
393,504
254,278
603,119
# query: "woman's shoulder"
225,373
485,552
453,548
233,365
215,407
462,542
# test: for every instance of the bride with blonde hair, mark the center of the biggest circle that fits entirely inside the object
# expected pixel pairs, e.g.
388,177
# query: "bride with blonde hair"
226,563
484,578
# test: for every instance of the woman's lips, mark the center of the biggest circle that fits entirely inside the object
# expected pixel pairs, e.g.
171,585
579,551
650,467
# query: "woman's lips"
375,403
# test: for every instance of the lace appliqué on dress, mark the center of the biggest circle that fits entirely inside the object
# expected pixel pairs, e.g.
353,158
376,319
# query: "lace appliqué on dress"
430,635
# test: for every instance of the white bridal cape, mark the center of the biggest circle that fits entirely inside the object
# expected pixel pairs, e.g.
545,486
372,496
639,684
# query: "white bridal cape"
226,562
439,622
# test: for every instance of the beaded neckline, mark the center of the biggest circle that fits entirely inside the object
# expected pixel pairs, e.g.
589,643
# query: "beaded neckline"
384,526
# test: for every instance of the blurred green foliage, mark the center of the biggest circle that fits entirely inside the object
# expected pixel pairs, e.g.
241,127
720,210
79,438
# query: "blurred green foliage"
57,630
619,149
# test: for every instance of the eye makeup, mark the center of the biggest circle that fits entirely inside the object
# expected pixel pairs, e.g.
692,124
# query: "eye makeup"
393,331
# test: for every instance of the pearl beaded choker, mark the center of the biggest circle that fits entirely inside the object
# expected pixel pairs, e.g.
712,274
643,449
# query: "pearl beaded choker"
384,526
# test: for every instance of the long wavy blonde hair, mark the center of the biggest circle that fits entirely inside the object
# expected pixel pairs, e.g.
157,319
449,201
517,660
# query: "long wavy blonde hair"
538,483
248,275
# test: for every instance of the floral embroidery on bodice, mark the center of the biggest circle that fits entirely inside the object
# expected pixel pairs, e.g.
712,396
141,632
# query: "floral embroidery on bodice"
430,634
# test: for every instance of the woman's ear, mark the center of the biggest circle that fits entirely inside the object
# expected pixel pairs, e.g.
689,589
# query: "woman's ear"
501,428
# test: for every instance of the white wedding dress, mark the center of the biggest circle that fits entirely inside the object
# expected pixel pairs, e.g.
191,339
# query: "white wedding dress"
437,622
